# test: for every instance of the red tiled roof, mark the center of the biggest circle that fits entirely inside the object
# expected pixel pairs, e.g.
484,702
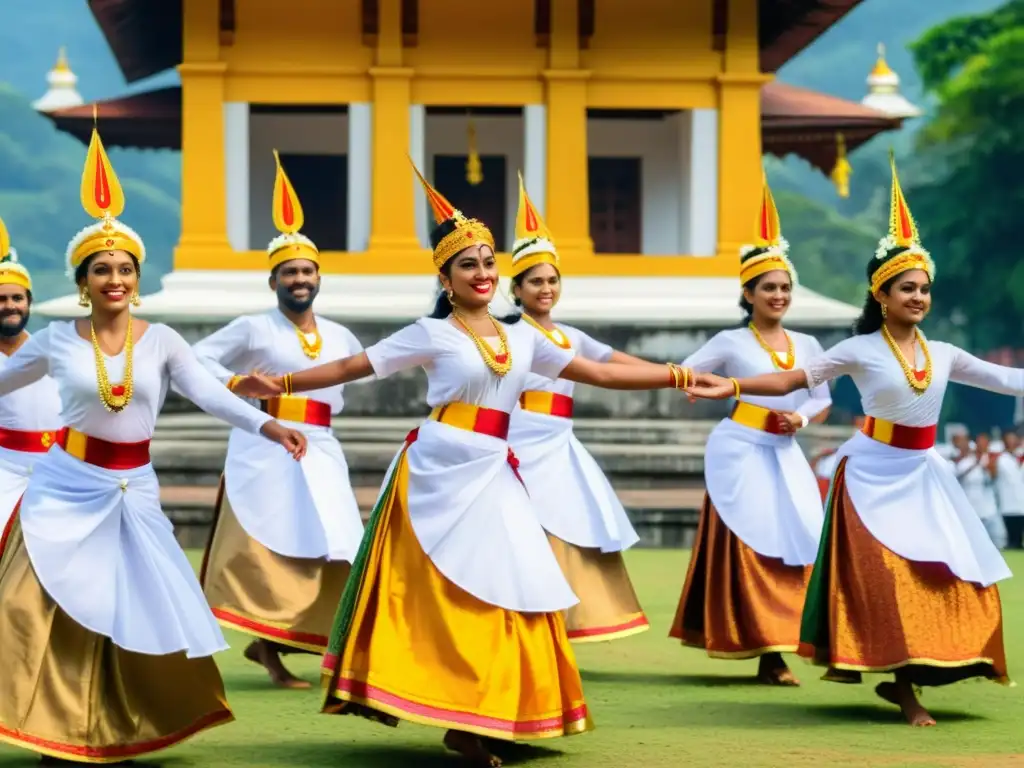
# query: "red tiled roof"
805,123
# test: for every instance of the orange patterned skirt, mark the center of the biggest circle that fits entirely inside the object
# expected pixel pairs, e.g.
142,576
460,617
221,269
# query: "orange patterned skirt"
870,610
736,603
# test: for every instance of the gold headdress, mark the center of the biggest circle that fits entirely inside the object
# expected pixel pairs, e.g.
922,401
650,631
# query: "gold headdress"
467,232
288,220
902,234
770,250
103,199
12,272
534,244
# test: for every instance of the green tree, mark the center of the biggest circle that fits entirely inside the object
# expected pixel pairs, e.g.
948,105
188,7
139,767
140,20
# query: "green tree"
966,184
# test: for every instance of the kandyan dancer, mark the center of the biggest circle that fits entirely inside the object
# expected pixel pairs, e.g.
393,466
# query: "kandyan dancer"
453,614
905,576
577,506
284,533
105,635
761,520
29,417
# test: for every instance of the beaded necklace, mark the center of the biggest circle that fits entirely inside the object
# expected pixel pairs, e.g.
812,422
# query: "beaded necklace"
918,380
499,362
776,360
556,335
115,398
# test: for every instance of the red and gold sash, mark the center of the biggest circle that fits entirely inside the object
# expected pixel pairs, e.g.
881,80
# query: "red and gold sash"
548,403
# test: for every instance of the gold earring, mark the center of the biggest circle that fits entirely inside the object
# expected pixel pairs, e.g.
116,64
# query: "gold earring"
885,311
134,299
451,297
83,297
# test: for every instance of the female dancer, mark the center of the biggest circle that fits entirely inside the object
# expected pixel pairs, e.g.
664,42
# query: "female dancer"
585,522
761,519
104,632
905,577
454,563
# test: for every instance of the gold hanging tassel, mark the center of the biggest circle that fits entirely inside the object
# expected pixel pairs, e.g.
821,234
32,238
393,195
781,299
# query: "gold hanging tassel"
843,170
474,168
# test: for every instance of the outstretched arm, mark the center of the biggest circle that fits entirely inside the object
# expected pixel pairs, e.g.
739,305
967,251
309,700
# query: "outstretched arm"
327,375
642,375
712,387
969,370
26,366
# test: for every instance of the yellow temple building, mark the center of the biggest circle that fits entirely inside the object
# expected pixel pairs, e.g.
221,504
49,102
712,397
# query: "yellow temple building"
639,126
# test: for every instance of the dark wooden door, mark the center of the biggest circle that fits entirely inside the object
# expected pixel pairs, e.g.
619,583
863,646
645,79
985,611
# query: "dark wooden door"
615,204
321,182
485,201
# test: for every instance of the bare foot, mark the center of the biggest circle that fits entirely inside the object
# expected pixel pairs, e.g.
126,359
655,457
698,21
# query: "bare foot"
902,694
471,748
263,653
773,670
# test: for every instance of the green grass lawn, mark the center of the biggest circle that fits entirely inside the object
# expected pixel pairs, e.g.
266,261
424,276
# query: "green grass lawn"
655,704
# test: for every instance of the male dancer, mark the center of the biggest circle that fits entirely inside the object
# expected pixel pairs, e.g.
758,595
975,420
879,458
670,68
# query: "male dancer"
285,533
29,417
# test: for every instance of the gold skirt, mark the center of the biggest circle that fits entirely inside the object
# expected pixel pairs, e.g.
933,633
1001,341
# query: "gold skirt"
411,645
290,601
870,610
74,695
608,608
736,603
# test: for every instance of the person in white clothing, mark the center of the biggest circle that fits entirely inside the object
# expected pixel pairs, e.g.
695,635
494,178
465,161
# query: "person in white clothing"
453,614
976,470
577,506
761,518
1010,489
30,417
104,632
902,550
284,534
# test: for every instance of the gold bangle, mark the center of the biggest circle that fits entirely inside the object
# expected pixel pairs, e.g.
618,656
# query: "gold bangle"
687,378
233,382
736,386
286,382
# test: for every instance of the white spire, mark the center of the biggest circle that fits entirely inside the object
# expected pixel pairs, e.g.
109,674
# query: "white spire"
884,90
62,93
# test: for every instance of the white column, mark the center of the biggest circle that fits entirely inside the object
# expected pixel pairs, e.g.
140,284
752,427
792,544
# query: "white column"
418,153
236,164
360,175
535,154
699,158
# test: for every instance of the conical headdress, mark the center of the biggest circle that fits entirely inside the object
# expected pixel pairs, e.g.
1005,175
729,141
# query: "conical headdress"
102,198
534,244
903,236
288,220
770,250
12,272
467,232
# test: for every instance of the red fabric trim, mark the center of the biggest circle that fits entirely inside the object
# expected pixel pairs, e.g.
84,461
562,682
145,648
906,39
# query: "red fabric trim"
910,438
108,455
27,442
123,752
306,638
639,621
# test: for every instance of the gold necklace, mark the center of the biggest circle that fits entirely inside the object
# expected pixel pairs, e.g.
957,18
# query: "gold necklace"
776,360
918,380
310,349
116,397
556,335
499,362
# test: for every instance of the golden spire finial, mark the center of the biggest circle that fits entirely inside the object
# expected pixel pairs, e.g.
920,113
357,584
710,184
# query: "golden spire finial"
882,68
62,60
